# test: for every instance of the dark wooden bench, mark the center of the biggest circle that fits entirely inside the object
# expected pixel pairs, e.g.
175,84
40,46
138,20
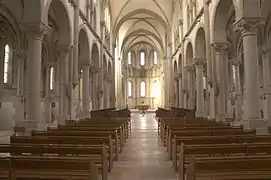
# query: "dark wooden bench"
50,168
230,167
203,140
97,153
120,134
69,140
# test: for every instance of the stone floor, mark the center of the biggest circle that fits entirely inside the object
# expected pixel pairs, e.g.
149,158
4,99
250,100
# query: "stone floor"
143,157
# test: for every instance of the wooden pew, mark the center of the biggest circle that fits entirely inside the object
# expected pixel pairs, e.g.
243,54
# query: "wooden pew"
112,122
98,153
207,132
163,123
80,133
123,122
49,168
101,112
68,140
120,134
200,131
165,132
203,140
230,167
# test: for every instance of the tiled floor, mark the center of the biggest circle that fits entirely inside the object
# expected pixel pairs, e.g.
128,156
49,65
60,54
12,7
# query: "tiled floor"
143,157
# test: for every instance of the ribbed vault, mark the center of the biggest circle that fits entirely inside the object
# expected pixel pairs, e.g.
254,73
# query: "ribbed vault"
134,25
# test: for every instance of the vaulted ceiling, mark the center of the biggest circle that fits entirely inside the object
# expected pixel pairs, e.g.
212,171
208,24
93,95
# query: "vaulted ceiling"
142,22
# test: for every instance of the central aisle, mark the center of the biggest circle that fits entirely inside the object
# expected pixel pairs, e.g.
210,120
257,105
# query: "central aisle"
143,157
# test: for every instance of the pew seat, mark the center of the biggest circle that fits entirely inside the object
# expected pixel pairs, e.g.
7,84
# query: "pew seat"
48,168
229,168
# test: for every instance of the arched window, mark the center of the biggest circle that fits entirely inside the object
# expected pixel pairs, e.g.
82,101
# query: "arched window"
129,57
142,58
142,89
130,88
6,63
155,58
52,78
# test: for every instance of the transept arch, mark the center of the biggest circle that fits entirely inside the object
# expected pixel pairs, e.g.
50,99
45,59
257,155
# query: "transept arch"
96,89
200,47
61,18
189,54
84,49
223,10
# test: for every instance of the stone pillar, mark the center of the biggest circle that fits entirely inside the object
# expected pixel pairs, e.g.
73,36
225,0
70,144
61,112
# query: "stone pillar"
210,79
238,93
2,57
166,84
176,92
220,90
47,81
170,75
86,91
20,72
190,93
252,108
64,49
180,30
200,110
95,91
181,95
267,81
34,36
75,43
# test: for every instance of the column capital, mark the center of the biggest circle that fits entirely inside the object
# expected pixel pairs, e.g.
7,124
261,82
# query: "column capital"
236,62
74,3
21,54
180,22
266,48
63,48
220,46
102,23
198,62
248,26
180,76
34,29
190,68
94,69
207,2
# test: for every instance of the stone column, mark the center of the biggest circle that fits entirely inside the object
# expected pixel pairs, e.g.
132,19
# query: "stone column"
181,96
2,57
252,108
210,79
64,49
20,72
238,98
220,48
86,91
166,84
176,92
190,93
34,36
199,62
267,81
180,30
75,42
95,91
